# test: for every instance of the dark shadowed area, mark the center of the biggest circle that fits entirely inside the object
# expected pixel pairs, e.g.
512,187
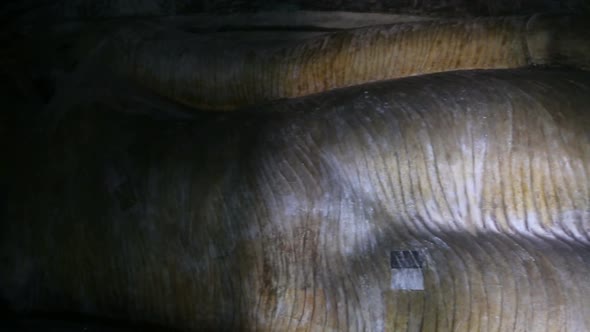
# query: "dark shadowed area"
186,165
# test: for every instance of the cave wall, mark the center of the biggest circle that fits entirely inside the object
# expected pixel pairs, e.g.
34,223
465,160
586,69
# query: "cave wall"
76,9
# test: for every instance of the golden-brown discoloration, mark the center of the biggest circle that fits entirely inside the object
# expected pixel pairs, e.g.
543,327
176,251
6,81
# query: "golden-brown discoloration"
283,219
214,74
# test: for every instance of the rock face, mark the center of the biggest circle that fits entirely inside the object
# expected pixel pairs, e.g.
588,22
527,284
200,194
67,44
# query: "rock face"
220,69
286,217
226,74
125,8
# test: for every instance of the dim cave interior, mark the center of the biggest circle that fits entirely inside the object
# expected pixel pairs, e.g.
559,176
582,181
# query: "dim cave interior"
295,165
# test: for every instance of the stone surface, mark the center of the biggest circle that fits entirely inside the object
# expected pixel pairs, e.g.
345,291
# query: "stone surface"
284,218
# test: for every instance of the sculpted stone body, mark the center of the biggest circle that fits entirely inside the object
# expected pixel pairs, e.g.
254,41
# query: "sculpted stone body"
283,217
216,74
